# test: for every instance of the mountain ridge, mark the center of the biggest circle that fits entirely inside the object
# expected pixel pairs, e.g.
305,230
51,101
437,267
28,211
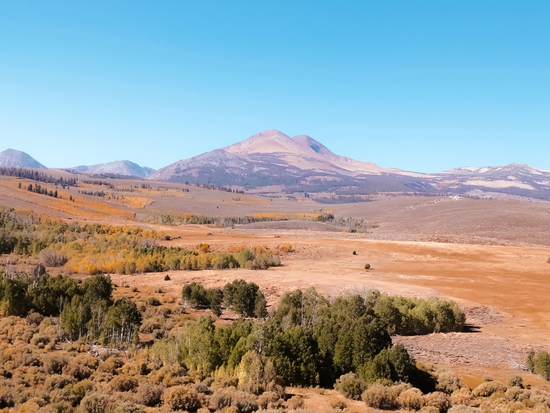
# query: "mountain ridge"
272,162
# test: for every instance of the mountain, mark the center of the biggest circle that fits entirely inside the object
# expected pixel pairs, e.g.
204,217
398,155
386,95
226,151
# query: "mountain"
12,158
271,161
123,168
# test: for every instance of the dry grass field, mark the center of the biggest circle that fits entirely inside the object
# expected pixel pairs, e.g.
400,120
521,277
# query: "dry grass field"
488,255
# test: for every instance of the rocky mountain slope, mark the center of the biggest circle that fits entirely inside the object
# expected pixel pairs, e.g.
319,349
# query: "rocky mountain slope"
10,158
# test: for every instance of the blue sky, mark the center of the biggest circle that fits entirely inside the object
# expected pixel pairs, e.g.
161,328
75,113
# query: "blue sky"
417,85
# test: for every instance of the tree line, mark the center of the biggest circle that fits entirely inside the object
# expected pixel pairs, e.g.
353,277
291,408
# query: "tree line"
37,176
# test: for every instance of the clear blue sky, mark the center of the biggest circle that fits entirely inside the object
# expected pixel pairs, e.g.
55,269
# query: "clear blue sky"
417,85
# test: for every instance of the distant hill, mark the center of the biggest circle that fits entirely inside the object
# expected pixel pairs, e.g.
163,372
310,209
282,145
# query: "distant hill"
11,158
123,168
271,161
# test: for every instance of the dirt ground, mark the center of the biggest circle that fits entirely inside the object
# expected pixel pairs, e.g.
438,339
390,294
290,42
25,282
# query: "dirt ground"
501,288
488,255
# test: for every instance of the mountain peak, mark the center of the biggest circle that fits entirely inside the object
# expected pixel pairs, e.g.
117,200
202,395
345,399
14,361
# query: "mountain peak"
269,141
14,158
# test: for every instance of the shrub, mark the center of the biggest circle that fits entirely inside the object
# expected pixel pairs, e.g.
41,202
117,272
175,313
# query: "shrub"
148,394
515,381
411,399
295,402
123,383
35,318
221,398
80,389
488,388
58,381
461,408
181,398
244,402
516,394
438,400
77,370
94,403
54,364
367,267
267,400
52,258
153,301
461,396
351,386
127,407
376,396
447,382
337,403
542,365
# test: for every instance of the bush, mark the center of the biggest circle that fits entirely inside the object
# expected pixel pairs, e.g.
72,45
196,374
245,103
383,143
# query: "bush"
351,386
77,370
542,365
377,396
148,394
221,398
437,400
51,258
447,382
81,389
461,408
461,396
295,402
54,364
244,402
127,407
488,388
515,381
267,400
153,301
367,267
338,404
411,399
181,398
58,381
94,403
123,383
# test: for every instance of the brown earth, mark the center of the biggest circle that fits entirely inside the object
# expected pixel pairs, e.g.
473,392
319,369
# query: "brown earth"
498,286
488,255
